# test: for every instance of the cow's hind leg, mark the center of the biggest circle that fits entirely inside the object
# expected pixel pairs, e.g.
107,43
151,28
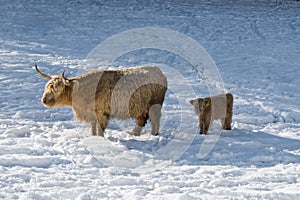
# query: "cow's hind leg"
100,129
141,121
96,128
155,115
101,124
93,128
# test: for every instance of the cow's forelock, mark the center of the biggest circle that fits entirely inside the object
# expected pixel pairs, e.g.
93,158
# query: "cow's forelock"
53,90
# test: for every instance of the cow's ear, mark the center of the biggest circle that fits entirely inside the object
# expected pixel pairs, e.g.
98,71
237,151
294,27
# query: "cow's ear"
67,81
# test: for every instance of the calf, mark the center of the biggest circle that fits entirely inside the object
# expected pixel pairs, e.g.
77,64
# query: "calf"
214,108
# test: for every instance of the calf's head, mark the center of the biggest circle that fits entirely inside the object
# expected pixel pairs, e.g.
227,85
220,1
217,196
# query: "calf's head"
56,90
201,105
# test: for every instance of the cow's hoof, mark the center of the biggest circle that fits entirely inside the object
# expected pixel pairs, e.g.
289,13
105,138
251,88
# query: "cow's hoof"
136,131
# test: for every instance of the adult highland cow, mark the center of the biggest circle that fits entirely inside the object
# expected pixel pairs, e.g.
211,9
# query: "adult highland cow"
99,95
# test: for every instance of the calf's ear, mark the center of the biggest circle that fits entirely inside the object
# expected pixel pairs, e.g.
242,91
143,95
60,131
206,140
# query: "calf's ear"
192,101
206,102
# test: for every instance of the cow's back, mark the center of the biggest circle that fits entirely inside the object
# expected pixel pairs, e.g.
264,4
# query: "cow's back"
135,90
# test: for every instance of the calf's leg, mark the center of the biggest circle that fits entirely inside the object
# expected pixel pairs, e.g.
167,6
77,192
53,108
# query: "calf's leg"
227,123
204,124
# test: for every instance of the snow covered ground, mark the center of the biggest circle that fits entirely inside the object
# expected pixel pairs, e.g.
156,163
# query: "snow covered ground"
46,154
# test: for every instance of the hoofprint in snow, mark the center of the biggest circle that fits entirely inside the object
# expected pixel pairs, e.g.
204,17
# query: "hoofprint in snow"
46,154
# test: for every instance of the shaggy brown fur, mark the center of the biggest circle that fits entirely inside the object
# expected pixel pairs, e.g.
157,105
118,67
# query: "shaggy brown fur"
214,108
99,95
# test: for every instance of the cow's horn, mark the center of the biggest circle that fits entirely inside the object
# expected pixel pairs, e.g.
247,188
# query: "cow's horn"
66,79
40,73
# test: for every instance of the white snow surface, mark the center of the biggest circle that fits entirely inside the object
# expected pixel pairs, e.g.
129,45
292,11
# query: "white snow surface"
47,154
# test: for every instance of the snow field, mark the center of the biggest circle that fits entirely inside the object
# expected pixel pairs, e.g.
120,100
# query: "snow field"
46,154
